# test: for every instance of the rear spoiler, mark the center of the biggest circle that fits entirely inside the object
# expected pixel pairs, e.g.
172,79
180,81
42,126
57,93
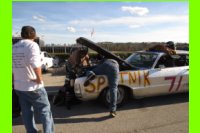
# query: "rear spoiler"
123,64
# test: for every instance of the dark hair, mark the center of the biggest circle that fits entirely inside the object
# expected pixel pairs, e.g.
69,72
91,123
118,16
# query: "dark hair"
73,49
170,44
81,50
28,32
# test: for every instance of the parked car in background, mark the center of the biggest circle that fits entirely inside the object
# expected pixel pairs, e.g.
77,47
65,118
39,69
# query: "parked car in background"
47,61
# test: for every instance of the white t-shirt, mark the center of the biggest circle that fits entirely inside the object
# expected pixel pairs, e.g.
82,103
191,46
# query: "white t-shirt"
25,57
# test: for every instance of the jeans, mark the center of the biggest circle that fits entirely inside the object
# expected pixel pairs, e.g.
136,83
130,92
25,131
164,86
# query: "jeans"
37,100
110,68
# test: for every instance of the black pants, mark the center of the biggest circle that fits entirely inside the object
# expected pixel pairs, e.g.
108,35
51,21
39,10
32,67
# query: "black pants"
15,104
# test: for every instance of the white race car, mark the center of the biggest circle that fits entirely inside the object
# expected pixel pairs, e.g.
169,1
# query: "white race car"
157,74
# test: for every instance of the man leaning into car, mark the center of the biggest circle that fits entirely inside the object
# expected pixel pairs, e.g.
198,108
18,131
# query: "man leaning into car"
110,68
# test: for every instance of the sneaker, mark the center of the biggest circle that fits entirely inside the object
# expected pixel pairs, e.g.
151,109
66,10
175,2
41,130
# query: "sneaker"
90,77
113,114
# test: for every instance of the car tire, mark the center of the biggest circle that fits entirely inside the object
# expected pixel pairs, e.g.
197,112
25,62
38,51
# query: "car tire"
122,96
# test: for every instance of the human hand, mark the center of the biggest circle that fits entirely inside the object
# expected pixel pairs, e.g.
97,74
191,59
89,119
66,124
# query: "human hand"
38,81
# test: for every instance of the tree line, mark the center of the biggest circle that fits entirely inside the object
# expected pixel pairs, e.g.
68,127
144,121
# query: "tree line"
131,47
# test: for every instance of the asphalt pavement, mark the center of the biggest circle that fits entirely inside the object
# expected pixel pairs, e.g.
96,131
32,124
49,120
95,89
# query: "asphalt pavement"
163,114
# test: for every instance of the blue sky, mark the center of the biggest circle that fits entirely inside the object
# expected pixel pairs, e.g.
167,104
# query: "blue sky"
64,22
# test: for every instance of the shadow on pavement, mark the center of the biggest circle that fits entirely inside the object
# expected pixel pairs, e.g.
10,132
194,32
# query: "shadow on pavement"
77,113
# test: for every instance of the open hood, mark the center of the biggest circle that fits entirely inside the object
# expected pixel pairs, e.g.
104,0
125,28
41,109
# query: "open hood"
92,45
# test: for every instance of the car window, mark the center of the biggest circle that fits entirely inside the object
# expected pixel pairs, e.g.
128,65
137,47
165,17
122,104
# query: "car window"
47,55
165,61
173,61
142,60
183,60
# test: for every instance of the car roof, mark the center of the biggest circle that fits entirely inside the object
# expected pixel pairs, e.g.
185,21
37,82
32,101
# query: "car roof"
159,52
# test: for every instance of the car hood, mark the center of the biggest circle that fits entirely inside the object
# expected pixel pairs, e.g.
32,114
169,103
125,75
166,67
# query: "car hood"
92,45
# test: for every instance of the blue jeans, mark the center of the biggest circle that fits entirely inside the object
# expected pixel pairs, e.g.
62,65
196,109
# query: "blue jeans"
110,68
37,100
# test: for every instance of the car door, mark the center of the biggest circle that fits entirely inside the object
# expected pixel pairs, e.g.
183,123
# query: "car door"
166,78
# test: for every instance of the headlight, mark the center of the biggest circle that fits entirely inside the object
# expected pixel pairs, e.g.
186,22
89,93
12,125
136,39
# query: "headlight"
77,90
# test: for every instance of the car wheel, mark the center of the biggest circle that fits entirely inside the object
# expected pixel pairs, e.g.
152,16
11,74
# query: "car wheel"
121,96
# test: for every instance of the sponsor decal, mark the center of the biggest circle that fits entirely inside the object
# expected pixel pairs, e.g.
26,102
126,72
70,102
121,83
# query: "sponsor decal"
173,79
135,77
92,87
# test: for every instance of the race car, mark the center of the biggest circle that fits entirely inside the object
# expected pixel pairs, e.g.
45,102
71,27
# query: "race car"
142,74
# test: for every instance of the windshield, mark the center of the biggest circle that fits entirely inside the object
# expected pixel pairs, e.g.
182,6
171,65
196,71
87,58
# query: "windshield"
142,60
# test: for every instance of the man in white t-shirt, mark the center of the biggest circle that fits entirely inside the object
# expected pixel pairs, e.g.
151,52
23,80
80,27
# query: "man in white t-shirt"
28,82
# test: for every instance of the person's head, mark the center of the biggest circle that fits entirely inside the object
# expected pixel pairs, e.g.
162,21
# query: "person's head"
77,54
73,49
82,51
171,45
28,32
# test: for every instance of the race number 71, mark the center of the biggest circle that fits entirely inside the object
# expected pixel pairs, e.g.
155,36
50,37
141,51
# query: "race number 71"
173,79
